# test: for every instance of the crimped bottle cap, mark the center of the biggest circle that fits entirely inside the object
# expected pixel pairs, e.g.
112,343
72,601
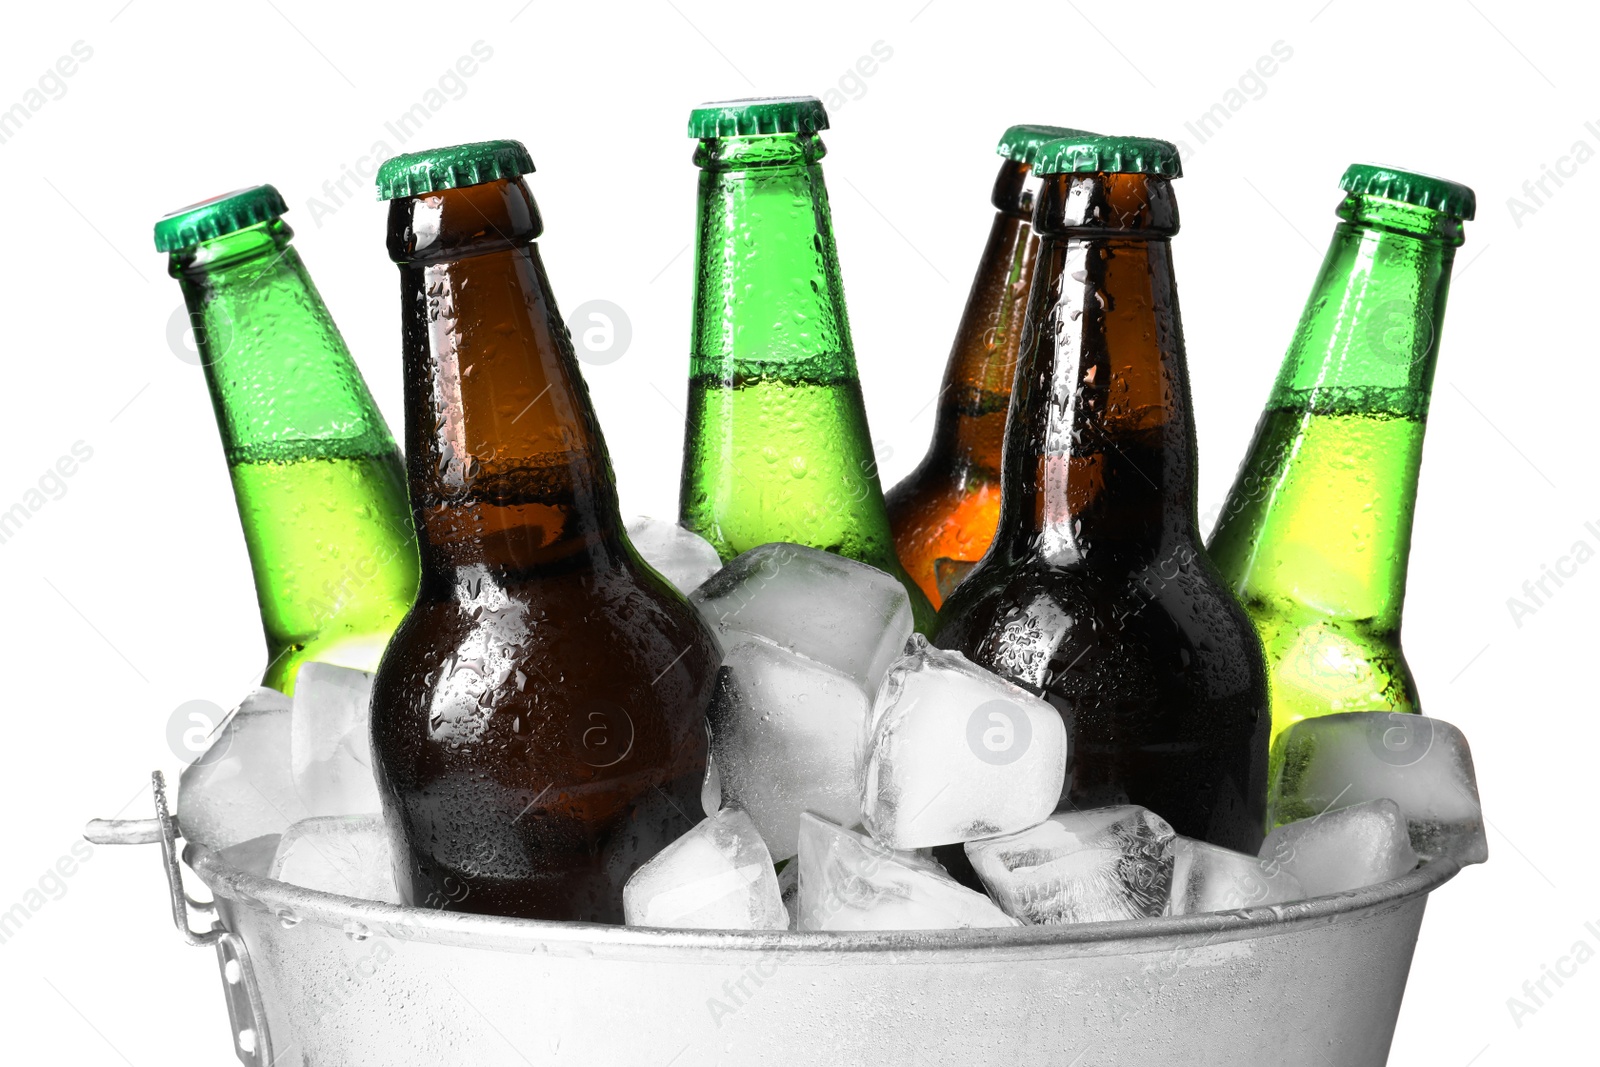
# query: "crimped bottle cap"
220,215
452,167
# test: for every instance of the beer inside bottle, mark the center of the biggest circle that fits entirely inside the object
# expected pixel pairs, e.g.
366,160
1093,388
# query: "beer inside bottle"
317,477
944,512
777,445
1316,531
1096,593
538,722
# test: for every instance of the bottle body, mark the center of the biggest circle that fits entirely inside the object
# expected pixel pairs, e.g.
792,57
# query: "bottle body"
538,721
317,477
1315,534
1096,593
777,446
945,511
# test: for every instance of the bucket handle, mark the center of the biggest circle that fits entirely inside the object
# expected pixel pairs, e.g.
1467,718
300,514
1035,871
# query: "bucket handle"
246,1012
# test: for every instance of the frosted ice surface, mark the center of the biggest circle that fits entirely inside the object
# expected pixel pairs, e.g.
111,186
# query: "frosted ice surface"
718,876
242,787
680,556
1207,877
1422,764
1345,848
344,854
784,733
1080,866
330,742
850,882
850,616
957,753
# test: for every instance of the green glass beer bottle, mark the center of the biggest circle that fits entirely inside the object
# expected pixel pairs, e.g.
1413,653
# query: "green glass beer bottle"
777,446
1316,530
318,480
944,512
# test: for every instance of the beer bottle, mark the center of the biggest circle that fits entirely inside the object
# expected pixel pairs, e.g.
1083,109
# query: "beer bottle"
316,475
1316,530
1096,593
777,446
944,512
538,722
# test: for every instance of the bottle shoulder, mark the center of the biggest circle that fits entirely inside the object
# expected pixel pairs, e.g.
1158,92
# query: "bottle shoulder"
1159,613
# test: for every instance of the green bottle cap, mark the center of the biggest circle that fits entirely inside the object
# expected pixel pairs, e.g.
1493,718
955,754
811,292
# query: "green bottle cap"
227,213
1409,187
758,115
452,167
1090,154
1021,143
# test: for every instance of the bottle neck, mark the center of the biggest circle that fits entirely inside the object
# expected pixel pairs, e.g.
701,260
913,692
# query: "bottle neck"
1369,335
768,297
281,380
1099,462
983,361
505,461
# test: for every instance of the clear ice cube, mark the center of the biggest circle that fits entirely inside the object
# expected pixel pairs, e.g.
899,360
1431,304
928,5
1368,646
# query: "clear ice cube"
1422,764
850,882
242,786
718,876
1207,877
784,733
682,557
1345,848
344,854
330,743
1080,866
850,616
957,753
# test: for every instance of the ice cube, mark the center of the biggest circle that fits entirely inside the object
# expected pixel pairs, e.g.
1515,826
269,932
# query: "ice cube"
253,856
784,732
1209,878
1080,866
344,854
1422,764
681,556
242,786
329,740
850,616
957,753
850,882
1345,848
718,876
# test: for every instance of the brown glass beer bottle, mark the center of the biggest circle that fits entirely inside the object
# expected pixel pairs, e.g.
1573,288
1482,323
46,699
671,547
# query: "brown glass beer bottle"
944,512
538,723
1096,592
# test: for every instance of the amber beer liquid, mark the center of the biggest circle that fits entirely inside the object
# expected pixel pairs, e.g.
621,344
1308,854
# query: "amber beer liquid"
1096,593
944,512
538,722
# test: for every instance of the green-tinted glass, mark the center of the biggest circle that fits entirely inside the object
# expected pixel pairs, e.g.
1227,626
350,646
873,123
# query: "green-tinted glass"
777,445
1316,531
319,482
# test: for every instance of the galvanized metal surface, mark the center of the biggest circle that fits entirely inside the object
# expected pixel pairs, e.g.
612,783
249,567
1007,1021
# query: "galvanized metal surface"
313,978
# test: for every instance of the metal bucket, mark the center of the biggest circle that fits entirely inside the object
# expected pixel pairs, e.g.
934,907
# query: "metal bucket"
313,978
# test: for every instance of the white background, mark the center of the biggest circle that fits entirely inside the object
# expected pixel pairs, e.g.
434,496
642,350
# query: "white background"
128,592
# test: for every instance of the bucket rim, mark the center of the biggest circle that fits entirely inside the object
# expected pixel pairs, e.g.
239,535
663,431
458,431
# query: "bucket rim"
237,887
